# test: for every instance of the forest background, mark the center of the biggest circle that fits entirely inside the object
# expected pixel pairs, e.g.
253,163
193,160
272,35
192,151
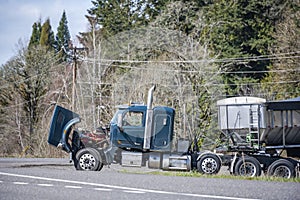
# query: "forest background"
195,51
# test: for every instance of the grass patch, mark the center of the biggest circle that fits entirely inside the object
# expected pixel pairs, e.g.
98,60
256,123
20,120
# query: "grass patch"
222,176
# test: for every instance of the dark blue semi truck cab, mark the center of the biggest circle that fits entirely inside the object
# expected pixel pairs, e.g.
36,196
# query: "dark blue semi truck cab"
128,128
126,134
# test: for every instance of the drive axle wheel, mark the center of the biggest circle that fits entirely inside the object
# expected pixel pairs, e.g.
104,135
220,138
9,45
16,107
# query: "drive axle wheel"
88,159
281,168
247,166
209,164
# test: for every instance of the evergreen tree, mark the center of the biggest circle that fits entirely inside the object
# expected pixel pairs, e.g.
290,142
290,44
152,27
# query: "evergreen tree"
63,38
283,80
241,29
29,76
115,16
184,16
36,34
47,36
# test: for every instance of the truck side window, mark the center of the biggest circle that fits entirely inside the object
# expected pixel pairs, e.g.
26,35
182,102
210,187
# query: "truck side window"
133,119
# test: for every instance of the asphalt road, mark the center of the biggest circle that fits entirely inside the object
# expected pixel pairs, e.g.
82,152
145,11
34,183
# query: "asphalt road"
56,179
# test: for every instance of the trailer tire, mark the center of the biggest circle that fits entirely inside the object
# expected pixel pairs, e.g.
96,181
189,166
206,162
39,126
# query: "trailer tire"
281,168
88,159
209,164
247,166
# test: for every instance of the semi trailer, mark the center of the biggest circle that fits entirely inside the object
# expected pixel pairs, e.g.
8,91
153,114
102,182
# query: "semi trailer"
256,134
261,136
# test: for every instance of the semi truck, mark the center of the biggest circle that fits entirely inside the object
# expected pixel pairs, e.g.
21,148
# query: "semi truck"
259,137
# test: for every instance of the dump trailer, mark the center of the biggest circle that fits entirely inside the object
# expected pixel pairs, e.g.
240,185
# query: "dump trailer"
262,136
138,135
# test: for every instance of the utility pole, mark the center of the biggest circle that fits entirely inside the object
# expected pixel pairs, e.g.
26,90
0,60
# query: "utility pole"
74,78
75,59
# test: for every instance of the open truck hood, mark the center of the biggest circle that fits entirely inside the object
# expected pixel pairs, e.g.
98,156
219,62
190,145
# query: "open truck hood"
60,127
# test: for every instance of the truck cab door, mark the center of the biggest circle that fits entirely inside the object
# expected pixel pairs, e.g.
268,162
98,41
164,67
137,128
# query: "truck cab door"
132,130
162,129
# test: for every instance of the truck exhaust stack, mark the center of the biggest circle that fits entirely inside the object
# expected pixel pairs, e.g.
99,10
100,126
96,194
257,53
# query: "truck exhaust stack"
150,97
149,118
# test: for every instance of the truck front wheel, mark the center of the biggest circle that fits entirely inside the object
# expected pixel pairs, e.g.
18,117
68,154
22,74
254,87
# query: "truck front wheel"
88,159
209,164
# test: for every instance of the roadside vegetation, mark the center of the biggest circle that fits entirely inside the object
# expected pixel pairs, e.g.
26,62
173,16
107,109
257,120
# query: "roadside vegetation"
196,51
221,176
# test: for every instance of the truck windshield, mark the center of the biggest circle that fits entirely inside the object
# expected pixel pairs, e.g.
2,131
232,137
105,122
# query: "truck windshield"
114,120
133,119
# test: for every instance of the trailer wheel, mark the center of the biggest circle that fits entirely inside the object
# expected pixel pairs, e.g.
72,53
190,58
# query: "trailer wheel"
247,166
88,159
281,168
209,164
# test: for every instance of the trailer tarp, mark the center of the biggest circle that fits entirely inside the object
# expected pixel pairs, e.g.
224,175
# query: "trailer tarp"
288,104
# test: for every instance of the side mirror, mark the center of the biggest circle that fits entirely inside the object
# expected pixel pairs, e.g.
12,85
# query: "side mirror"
120,121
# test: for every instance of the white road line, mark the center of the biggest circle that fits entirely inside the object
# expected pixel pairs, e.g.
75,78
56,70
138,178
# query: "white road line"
45,185
135,192
20,183
103,189
73,187
125,188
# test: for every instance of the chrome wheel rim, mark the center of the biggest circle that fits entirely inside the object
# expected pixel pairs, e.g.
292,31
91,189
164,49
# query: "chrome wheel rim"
247,169
209,165
87,161
282,171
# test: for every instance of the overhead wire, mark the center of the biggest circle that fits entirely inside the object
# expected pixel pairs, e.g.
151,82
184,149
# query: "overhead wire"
111,62
278,56
254,58
186,71
205,72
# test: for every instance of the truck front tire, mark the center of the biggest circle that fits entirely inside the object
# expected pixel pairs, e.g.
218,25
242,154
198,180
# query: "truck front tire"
88,159
209,164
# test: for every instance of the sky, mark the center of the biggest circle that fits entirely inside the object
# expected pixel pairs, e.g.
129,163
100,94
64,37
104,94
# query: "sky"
18,16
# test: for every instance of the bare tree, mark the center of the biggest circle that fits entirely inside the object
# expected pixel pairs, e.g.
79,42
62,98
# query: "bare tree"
131,62
33,83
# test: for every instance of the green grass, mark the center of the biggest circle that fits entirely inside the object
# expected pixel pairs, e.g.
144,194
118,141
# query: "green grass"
222,176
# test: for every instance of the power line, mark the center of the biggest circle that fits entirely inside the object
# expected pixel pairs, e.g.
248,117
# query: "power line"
189,61
206,61
27,79
201,85
208,72
204,72
278,56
